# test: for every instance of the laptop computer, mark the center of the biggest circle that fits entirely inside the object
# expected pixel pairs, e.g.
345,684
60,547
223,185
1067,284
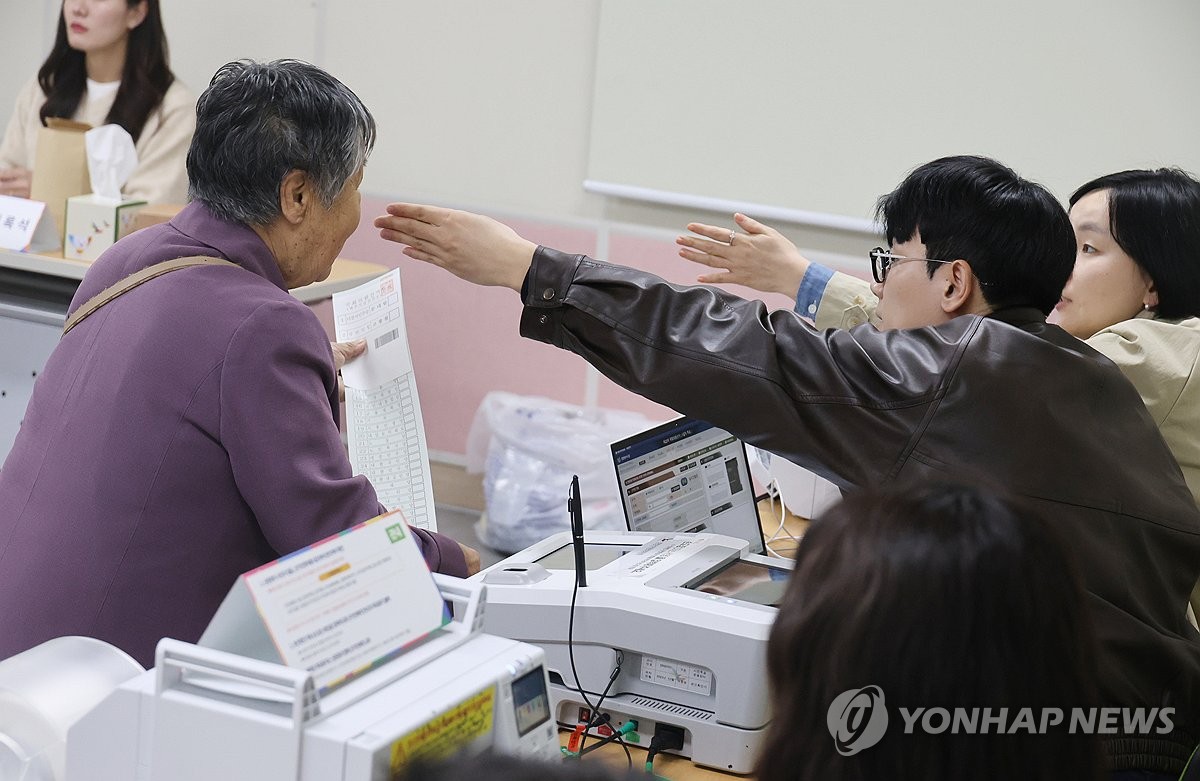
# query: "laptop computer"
687,475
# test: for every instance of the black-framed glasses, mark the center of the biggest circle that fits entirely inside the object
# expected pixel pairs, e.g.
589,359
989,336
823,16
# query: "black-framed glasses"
882,261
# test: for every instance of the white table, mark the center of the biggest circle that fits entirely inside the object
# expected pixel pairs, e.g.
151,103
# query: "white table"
35,291
345,274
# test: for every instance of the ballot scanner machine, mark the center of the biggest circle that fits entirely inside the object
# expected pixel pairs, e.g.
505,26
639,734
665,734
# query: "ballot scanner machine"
204,714
685,617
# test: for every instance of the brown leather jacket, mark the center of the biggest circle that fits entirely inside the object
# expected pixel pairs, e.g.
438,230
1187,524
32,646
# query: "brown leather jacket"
1006,396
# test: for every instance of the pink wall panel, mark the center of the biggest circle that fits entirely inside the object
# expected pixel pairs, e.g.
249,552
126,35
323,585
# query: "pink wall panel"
612,396
660,255
464,338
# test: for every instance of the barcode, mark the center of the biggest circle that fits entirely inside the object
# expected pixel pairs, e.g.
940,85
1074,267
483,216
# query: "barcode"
389,336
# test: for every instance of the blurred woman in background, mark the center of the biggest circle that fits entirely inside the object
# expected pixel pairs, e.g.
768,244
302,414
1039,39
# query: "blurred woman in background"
109,65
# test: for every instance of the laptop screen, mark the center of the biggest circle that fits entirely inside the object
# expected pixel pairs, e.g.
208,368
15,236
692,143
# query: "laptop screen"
687,476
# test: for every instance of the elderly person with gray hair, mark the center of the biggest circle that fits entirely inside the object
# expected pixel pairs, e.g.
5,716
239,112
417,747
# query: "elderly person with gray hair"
185,431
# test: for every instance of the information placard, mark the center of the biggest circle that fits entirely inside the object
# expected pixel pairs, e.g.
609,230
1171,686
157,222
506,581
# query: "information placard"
339,607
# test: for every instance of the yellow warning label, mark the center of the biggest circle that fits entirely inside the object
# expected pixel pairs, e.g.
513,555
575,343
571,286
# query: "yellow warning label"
335,571
447,732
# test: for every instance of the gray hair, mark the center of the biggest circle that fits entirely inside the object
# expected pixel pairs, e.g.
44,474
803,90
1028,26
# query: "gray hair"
258,122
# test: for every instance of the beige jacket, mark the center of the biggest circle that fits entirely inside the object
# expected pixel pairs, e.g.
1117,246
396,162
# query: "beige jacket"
1160,357
161,175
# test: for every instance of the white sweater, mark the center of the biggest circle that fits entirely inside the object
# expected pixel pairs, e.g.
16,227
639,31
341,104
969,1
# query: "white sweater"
160,176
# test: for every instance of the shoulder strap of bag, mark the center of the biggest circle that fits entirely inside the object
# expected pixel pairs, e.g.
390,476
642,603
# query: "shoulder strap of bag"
135,279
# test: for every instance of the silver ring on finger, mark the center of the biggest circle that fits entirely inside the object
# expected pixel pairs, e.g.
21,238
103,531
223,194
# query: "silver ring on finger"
732,236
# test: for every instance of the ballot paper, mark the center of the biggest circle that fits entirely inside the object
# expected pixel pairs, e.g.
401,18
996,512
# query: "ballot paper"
383,415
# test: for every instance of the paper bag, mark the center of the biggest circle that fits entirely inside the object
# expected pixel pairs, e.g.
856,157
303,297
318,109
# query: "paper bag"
60,167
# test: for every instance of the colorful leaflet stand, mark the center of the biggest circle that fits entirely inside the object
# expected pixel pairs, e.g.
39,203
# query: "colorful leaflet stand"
337,608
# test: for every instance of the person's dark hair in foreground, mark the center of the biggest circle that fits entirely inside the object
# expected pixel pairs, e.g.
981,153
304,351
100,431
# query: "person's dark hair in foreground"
502,767
941,596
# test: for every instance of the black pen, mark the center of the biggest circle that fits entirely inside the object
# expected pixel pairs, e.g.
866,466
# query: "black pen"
575,510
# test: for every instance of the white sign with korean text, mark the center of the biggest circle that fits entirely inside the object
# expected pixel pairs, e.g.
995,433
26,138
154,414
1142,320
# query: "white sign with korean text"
19,222
347,604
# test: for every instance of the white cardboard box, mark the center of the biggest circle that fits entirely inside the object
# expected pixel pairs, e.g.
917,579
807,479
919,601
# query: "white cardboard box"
95,223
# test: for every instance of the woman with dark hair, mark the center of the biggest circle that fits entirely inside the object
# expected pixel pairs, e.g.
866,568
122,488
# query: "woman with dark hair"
109,65
940,597
1135,293
1135,296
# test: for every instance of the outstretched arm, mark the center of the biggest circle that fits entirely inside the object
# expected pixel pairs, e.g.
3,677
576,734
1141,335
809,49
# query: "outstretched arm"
763,259
469,246
812,397
760,258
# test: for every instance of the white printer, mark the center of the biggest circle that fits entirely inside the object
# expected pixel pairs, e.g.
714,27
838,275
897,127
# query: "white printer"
203,714
687,617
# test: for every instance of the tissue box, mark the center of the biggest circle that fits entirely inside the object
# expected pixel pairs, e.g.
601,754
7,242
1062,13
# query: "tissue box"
95,223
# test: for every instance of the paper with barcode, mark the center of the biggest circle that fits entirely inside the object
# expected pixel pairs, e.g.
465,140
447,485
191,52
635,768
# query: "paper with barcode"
385,431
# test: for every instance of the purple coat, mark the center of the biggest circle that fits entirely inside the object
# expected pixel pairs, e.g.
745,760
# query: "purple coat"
183,434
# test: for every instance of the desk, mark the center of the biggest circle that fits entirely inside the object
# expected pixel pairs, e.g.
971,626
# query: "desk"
779,523
669,766
344,275
35,291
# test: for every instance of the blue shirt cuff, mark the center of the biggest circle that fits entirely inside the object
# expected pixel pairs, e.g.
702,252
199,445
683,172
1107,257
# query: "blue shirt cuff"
812,288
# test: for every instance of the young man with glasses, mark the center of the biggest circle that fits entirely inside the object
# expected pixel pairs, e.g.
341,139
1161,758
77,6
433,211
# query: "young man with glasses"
960,378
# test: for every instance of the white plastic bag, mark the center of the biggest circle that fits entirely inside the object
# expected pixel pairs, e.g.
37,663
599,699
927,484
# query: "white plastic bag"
527,448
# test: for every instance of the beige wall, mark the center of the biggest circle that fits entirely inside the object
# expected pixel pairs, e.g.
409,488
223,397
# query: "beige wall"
26,32
489,104
822,106
480,103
